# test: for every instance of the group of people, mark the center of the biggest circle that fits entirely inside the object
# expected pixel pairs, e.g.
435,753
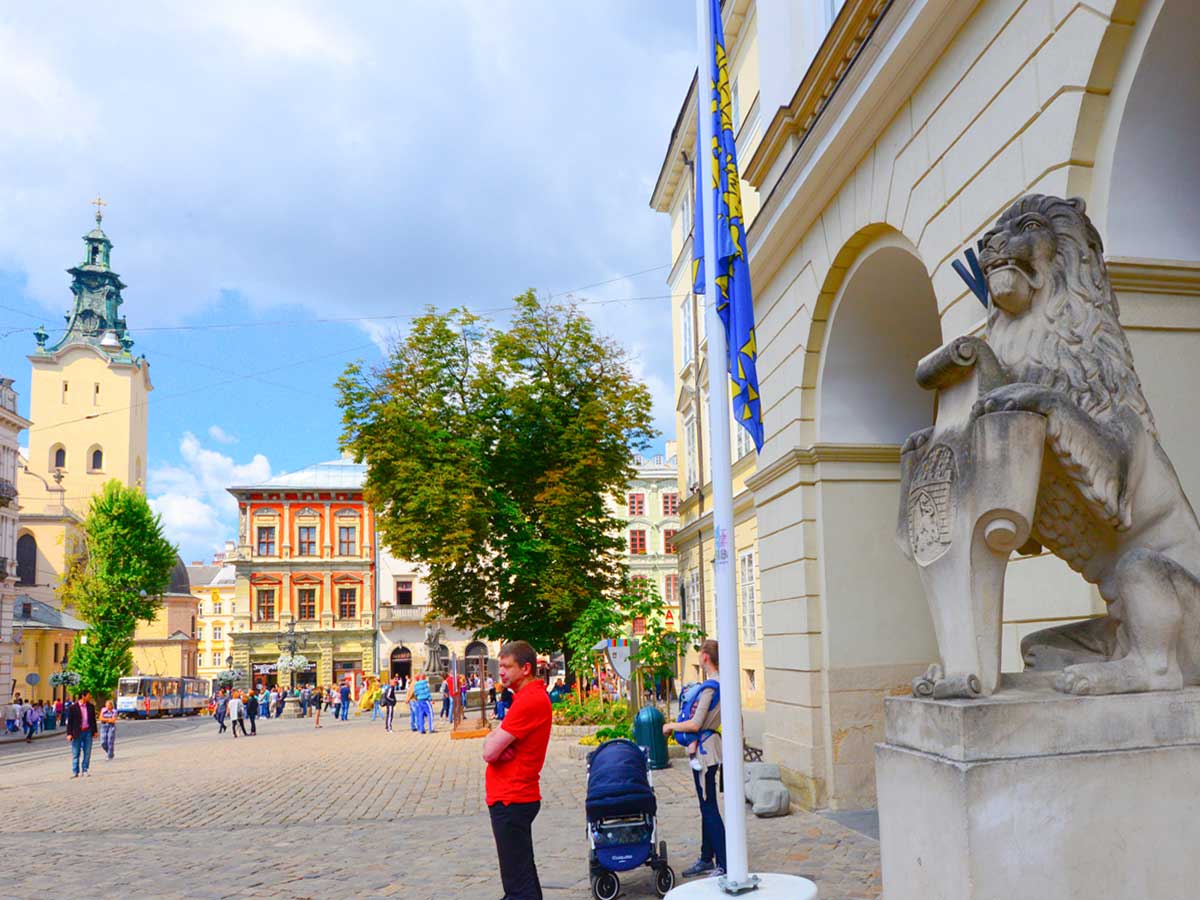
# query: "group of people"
32,717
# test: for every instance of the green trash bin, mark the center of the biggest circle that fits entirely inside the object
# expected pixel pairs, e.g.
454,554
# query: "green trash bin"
647,733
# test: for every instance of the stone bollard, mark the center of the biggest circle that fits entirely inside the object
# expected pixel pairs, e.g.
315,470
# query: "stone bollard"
766,791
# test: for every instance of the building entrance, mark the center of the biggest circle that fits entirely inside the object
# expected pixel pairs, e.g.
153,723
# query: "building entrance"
402,665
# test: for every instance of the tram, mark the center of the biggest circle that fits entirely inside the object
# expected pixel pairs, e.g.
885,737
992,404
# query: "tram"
149,696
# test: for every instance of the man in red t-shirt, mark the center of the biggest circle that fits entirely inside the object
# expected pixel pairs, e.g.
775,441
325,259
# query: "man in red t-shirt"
514,753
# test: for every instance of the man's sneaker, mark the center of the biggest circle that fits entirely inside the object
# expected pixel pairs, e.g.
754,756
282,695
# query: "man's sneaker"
716,873
699,867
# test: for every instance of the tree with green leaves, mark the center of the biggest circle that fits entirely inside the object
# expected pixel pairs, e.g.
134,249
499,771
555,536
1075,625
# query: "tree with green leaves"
492,453
115,582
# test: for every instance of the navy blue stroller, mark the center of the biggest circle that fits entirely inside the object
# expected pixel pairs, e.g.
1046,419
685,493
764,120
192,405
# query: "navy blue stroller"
622,821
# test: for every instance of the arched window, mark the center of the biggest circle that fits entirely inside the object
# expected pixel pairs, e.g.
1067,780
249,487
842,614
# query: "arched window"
97,460
26,560
58,457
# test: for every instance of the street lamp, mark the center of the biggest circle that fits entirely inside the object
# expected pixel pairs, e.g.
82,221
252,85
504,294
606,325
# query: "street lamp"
287,639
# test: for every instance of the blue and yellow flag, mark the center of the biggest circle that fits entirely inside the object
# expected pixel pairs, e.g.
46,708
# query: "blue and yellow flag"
735,304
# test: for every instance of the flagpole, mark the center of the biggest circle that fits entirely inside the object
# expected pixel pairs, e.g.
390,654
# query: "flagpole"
737,876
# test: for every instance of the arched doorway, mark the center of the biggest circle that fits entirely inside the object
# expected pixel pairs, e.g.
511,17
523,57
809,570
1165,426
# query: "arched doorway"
876,634
401,664
26,560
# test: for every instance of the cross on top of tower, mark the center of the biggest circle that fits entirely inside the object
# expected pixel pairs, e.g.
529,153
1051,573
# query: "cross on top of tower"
98,203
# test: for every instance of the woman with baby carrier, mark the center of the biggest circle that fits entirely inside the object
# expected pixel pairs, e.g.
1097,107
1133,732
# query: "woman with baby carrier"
697,730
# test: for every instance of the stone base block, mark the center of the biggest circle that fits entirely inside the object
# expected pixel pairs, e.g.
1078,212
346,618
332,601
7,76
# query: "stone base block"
1032,793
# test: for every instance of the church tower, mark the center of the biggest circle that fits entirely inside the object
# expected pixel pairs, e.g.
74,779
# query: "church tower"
88,393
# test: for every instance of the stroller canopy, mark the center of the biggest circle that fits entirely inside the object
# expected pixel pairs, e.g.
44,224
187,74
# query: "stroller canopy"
617,781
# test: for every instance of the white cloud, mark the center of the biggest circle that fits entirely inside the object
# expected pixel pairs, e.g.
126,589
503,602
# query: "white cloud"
220,435
197,510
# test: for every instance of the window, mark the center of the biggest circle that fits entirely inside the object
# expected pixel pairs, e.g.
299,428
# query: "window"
26,560
671,588
60,458
218,634
216,659
743,443
404,593
66,394
685,331
637,542
306,603
689,449
97,460
346,540
669,540
216,605
735,105
96,394
749,598
266,541
670,504
265,607
691,606
308,540
636,505
347,603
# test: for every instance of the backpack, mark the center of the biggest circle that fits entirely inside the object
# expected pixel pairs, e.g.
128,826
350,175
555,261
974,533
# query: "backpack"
688,699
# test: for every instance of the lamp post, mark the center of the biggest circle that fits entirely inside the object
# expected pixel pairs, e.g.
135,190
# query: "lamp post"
288,639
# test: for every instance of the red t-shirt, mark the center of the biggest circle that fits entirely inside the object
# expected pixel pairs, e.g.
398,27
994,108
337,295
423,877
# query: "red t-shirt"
528,721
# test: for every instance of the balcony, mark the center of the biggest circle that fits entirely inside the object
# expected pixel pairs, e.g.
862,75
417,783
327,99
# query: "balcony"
394,615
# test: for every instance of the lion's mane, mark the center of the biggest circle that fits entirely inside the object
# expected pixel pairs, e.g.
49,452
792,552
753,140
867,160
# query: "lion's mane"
1081,350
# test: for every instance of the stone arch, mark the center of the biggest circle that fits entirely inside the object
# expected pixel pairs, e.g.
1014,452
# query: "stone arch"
1145,185
58,457
876,316
95,458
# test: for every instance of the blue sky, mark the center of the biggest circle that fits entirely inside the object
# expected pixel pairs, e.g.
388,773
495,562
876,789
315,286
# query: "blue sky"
273,165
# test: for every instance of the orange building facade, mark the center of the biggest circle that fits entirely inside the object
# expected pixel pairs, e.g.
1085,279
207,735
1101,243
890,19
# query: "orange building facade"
305,563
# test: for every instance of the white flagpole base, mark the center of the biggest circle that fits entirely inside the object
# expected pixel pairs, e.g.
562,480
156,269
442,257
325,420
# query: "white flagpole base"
770,887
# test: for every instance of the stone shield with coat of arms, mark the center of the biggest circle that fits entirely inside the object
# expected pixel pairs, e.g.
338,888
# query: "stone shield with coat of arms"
931,505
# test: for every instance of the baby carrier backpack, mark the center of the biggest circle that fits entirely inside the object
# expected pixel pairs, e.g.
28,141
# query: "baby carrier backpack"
687,708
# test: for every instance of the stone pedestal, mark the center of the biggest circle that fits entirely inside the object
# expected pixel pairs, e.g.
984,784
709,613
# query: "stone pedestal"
1031,793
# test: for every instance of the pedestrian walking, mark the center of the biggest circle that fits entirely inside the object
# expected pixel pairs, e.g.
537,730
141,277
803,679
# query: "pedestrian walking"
387,699
12,715
82,726
318,695
447,694
704,755
423,698
252,713
305,696
237,712
222,711
280,701
515,753
33,720
108,728
344,693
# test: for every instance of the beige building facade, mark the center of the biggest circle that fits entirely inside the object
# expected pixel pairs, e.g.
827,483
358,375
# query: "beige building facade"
650,523
214,588
892,137
167,645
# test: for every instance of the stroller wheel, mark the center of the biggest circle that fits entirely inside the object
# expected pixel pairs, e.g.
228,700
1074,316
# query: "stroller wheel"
607,885
664,880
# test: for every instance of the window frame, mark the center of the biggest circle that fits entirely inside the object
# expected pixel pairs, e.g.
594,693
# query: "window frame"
343,543
670,503
635,504
306,547
259,543
668,535
410,591
637,537
259,595
748,595
342,594
687,336
300,604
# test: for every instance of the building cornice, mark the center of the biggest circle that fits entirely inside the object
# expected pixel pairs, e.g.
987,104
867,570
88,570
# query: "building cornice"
1154,276
823,453
847,36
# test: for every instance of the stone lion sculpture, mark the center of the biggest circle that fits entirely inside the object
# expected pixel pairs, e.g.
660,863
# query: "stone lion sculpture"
1108,500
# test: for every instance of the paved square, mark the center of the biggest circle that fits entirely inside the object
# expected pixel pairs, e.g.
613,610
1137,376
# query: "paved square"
344,811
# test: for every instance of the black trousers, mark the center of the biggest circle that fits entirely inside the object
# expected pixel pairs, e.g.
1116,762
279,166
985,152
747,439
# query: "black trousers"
253,726
236,722
389,712
512,826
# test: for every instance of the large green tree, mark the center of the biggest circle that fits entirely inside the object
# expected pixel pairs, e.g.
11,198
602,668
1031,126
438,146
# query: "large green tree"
115,582
492,452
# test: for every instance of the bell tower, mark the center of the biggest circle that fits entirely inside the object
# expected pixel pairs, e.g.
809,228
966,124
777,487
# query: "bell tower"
88,392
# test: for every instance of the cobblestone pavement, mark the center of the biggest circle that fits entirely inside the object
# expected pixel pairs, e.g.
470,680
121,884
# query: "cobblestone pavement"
344,811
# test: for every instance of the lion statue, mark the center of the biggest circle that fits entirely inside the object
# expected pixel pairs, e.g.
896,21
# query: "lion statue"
1109,502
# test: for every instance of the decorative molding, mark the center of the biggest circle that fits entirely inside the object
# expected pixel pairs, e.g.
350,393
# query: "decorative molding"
850,31
306,512
824,453
1154,276
347,514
